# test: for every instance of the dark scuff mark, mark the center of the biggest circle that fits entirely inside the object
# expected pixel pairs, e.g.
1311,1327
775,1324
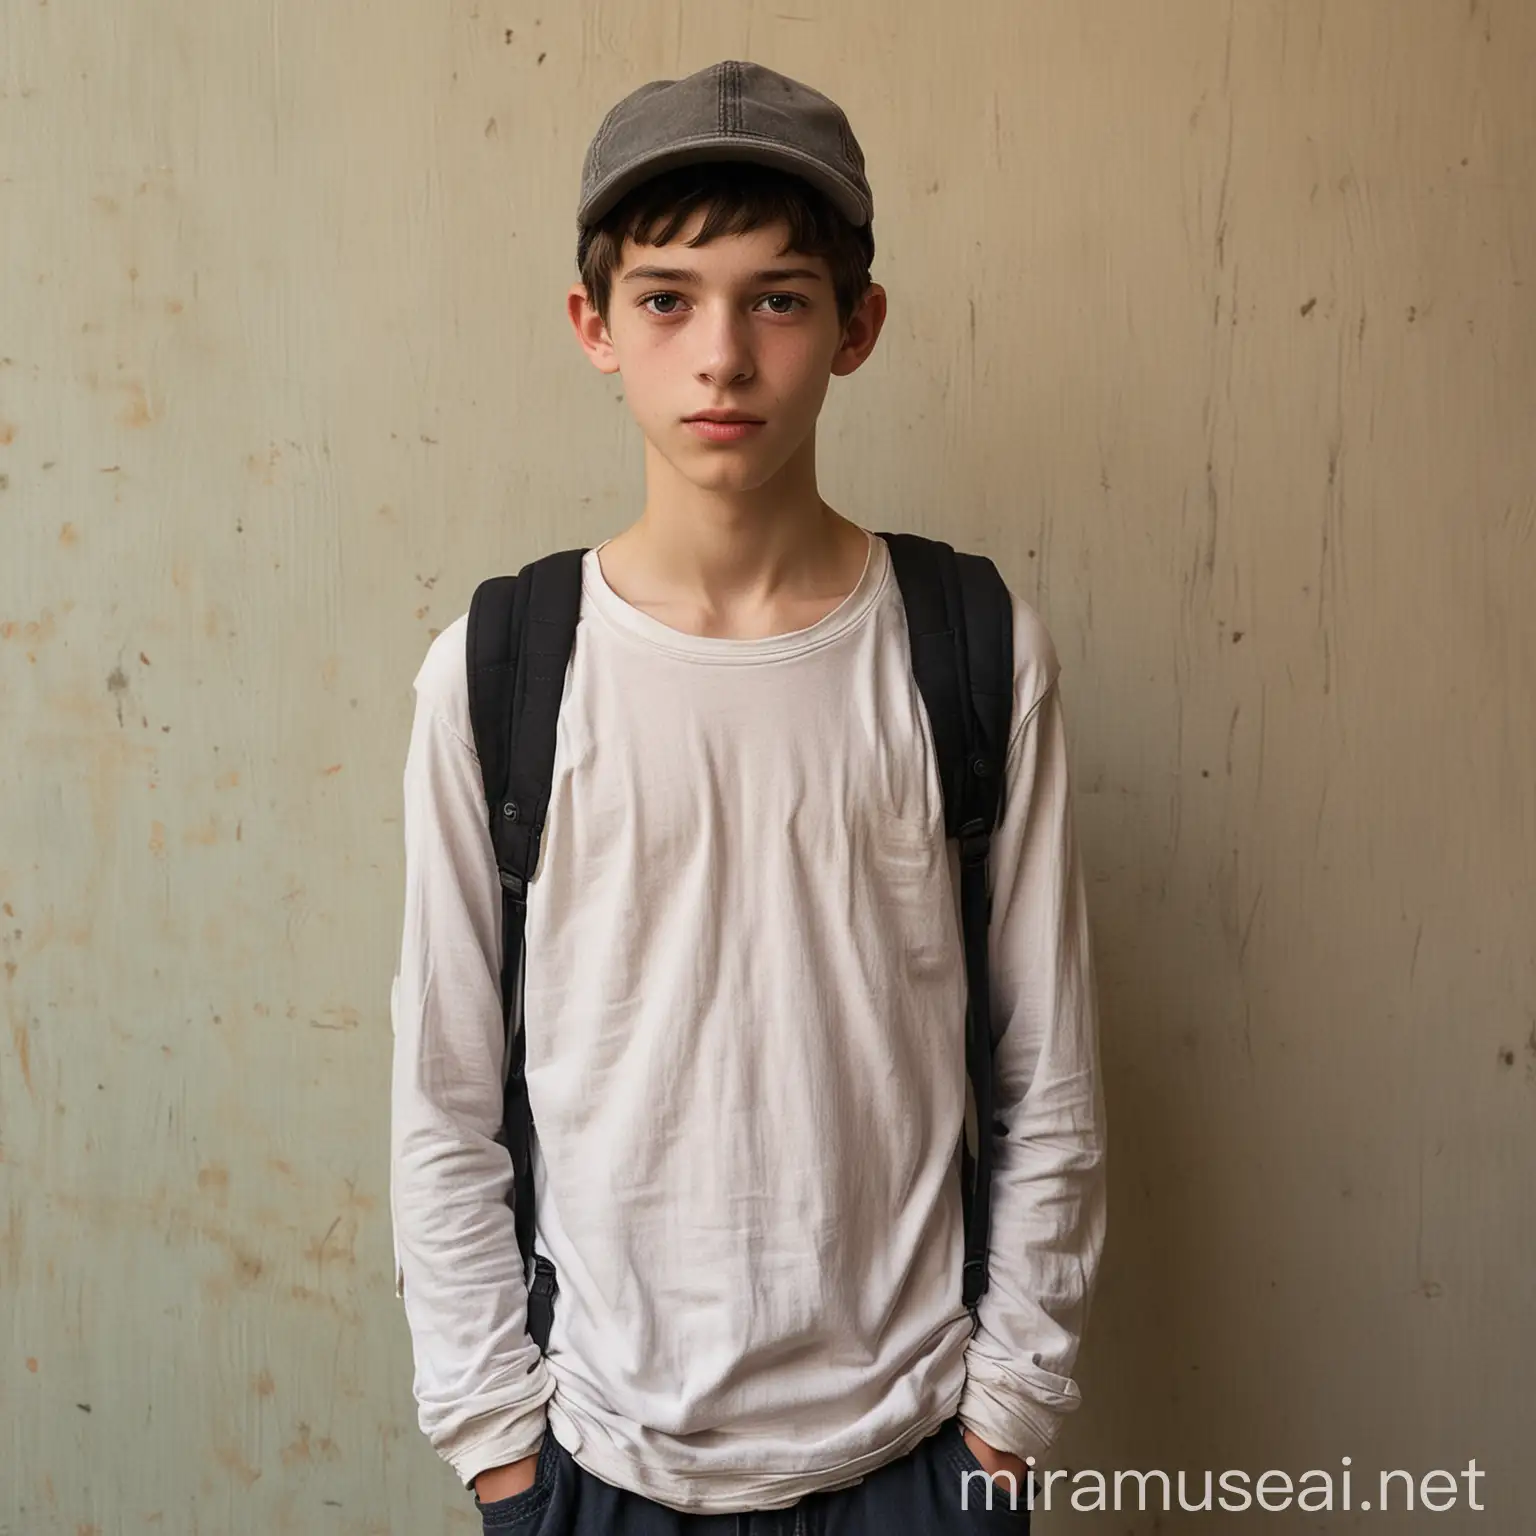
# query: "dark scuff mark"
1309,306
320,1253
1242,948
117,685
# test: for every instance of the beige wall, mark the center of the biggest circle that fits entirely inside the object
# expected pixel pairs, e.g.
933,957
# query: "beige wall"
1215,323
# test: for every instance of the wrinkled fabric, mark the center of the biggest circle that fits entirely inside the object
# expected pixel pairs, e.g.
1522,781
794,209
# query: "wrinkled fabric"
937,1489
744,998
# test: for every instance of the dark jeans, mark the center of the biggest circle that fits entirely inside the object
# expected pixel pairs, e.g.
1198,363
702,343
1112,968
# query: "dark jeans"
918,1495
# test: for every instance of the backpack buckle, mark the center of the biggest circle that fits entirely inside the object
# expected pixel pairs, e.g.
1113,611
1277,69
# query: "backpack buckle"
543,1282
542,1290
975,842
974,1286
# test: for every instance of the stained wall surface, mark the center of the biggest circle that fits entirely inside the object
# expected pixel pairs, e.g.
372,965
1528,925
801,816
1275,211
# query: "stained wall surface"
1214,323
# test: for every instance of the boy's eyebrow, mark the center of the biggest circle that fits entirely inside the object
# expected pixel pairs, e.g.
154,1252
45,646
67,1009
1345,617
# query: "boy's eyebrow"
688,275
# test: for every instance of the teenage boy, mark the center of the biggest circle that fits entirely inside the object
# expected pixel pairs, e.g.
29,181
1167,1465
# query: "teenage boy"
743,986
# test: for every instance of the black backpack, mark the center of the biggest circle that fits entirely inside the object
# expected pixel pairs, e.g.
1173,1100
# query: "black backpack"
960,622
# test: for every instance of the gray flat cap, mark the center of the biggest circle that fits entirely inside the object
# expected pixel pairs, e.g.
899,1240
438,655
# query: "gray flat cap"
730,111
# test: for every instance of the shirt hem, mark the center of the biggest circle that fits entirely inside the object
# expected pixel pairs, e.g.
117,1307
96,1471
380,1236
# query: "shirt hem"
745,1496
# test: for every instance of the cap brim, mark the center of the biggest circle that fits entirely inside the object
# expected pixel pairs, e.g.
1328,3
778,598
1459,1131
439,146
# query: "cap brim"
847,197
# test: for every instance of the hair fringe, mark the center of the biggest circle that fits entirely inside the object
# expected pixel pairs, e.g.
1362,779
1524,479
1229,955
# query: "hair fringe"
738,197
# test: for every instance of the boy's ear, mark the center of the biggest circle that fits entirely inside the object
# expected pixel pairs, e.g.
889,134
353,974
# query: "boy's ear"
590,330
861,332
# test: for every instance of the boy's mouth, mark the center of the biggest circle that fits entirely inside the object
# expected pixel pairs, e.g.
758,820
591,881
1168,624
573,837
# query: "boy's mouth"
729,429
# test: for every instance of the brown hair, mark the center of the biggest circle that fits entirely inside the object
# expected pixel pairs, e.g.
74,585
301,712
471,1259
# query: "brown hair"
738,196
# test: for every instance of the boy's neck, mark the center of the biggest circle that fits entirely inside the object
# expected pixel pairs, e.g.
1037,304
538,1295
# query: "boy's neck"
762,562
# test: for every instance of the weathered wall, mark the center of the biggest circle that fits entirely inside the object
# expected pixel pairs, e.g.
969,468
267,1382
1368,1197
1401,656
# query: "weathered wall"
1215,323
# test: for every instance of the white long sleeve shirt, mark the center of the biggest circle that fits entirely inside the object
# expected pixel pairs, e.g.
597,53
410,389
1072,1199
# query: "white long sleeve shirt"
744,999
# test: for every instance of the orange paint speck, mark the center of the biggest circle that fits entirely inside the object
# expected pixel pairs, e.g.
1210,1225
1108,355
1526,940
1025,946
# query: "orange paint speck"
136,413
68,535
33,629
334,768
229,1457
7,433
23,1045
157,837
32,1364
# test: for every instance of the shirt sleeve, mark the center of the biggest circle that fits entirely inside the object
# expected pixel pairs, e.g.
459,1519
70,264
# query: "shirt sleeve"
480,1381
1048,1178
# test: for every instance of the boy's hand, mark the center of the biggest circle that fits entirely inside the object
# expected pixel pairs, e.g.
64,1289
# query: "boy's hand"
503,1482
994,1462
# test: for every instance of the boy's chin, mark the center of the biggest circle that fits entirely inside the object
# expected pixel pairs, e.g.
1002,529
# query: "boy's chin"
718,468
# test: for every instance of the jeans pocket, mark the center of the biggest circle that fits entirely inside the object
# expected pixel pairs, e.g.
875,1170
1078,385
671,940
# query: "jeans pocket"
518,1511
979,1492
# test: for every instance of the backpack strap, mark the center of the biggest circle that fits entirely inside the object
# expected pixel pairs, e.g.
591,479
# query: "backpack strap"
960,626
518,647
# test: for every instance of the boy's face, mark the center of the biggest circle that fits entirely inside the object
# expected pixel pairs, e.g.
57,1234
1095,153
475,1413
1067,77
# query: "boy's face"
732,325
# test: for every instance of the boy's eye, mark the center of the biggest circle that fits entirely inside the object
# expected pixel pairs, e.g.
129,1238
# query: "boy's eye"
784,303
